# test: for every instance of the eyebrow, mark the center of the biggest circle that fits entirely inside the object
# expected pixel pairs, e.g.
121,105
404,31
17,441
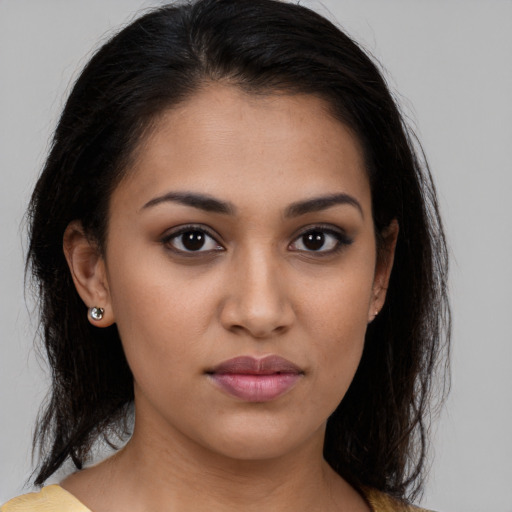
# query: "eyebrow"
317,204
200,201
211,204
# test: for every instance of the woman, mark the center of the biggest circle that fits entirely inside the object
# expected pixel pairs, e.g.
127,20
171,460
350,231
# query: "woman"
233,233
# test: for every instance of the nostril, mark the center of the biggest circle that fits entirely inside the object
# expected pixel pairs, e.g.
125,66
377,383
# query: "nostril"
260,311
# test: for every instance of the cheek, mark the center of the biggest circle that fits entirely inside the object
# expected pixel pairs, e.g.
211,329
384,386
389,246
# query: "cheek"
337,321
161,314
338,304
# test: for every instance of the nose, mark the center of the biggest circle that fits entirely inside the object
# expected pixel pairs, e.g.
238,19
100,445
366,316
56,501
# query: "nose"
256,301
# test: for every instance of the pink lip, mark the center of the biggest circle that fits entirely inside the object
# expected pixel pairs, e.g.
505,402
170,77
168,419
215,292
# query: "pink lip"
256,380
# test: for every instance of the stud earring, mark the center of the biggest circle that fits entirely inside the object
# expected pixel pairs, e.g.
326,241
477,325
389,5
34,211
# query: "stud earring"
96,313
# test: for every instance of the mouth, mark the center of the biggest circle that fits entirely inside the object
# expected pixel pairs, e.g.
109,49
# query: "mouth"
256,380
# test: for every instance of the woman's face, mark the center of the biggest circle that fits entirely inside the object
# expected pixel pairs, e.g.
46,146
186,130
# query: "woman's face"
241,271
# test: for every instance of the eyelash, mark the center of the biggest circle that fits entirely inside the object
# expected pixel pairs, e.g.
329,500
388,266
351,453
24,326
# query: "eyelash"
341,240
340,237
192,228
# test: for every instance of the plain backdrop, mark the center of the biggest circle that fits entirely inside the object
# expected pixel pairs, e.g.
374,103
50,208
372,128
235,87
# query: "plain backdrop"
449,63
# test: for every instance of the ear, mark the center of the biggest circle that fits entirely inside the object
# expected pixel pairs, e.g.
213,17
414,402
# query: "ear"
383,267
88,270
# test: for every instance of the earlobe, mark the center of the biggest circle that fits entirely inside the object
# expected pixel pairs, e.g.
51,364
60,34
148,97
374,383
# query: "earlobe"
383,267
88,271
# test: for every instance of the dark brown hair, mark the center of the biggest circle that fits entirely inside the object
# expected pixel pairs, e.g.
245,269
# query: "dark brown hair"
378,435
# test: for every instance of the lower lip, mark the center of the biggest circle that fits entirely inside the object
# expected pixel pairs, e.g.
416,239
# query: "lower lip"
256,388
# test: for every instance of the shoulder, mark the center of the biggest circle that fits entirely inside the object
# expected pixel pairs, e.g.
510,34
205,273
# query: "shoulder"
49,499
381,502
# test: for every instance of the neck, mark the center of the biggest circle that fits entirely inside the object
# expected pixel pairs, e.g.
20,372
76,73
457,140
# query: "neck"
162,470
194,478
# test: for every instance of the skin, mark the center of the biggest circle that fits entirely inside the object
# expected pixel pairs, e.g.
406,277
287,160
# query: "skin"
254,289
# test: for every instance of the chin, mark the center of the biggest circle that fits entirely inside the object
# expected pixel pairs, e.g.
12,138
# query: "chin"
263,440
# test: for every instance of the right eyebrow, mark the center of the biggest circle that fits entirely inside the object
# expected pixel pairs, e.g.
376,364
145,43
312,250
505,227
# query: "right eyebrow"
200,201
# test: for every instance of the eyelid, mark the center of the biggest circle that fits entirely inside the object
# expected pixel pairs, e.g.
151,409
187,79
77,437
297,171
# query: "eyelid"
342,239
180,230
339,233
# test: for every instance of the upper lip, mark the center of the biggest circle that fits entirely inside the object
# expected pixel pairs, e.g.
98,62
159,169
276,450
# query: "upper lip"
248,365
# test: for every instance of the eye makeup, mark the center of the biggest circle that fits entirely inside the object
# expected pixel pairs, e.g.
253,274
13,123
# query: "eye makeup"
321,240
196,240
192,240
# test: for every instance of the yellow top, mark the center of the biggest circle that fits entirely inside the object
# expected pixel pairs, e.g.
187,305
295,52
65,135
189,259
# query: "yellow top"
54,498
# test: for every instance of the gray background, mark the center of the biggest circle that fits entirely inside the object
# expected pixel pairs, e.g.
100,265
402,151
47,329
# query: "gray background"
451,63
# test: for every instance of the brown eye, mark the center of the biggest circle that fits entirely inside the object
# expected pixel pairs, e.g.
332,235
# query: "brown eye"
313,241
319,240
192,240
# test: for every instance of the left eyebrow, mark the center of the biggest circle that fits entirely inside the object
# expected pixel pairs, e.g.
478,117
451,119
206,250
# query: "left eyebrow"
317,204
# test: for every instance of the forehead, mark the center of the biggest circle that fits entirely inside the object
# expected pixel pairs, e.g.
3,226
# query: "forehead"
240,146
